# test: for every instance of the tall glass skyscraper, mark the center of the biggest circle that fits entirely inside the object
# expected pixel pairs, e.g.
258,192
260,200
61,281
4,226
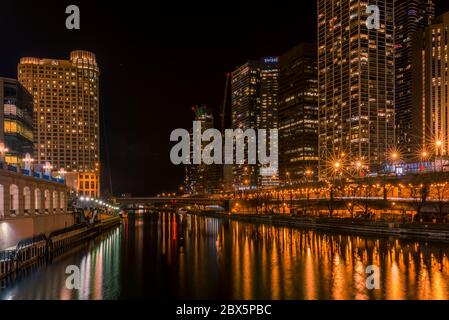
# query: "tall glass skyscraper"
411,16
254,88
431,88
356,86
298,114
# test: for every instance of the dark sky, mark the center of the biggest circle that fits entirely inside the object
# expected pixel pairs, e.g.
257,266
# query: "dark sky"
156,61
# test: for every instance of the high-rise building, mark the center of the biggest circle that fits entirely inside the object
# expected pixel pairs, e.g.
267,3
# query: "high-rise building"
298,114
356,86
202,178
66,115
16,121
269,87
410,16
245,106
269,103
431,88
254,87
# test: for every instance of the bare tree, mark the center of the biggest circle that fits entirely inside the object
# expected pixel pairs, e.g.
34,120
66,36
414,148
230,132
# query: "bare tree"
364,195
439,195
419,194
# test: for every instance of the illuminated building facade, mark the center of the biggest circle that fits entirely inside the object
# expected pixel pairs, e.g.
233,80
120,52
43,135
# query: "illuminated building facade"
298,114
431,87
202,178
245,105
16,121
66,115
254,88
356,85
411,16
269,103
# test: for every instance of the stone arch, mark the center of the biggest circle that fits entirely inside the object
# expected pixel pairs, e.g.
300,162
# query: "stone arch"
37,200
27,199
62,200
14,199
47,196
55,201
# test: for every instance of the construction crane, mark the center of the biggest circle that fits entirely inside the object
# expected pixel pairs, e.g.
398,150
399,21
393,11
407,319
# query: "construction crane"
225,100
227,169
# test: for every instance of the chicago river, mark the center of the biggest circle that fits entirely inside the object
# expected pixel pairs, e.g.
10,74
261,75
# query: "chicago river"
168,255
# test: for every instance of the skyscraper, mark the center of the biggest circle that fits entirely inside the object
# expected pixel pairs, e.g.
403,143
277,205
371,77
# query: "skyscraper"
245,106
410,16
269,103
356,86
202,178
16,121
254,88
66,115
431,88
298,114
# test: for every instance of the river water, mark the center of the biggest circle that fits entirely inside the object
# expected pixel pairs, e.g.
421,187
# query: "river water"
166,256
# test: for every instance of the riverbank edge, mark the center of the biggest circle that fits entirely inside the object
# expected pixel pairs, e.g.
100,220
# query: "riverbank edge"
421,232
57,241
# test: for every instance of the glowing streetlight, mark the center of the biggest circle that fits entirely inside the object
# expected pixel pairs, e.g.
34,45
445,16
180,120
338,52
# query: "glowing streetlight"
27,161
48,168
3,151
62,173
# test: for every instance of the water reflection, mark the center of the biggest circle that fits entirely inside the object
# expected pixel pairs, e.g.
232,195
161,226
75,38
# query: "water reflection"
99,263
174,256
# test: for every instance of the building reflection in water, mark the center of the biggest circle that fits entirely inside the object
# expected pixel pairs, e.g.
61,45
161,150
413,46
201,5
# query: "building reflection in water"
164,255
249,261
99,263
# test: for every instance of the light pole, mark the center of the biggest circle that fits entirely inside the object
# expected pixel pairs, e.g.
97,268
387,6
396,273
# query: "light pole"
359,168
438,150
308,175
395,157
423,157
27,161
47,169
3,151
62,173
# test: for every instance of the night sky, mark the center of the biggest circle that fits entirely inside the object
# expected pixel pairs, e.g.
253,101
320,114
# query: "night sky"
156,62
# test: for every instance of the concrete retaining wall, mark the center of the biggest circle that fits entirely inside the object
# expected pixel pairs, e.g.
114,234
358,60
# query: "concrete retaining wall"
16,229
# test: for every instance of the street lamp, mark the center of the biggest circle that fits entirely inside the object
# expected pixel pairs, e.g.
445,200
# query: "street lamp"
439,151
3,151
28,160
48,168
394,157
337,165
62,173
